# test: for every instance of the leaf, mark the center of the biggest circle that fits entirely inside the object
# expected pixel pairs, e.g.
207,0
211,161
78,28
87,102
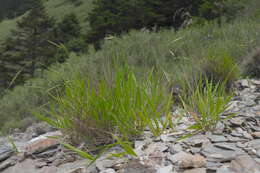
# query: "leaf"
15,77
46,119
195,126
13,144
129,150
79,152
230,116
122,154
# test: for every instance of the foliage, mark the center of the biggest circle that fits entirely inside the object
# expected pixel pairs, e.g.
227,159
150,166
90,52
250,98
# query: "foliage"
69,38
68,28
56,9
216,9
76,2
14,147
219,67
28,47
119,16
68,33
126,146
11,9
142,50
251,64
32,45
123,106
206,104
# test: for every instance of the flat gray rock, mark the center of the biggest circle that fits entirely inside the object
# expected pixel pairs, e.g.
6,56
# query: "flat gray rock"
254,144
175,148
215,154
213,165
166,169
108,171
196,170
217,138
224,170
244,164
7,163
5,152
196,140
136,167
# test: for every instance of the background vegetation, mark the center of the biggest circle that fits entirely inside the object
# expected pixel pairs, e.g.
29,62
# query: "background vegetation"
175,52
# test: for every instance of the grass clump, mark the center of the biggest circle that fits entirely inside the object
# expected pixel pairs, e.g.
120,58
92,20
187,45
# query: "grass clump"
122,106
206,104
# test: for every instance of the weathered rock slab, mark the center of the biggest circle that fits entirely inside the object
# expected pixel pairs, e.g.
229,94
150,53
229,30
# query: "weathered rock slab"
41,143
186,160
244,164
196,170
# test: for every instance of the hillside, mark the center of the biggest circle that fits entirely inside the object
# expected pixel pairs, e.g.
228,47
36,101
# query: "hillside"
175,52
164,86
56,9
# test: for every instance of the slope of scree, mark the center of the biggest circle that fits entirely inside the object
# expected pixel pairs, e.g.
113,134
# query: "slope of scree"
234,147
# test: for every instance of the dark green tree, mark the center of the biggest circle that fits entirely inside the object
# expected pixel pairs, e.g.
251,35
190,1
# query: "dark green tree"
118,16
68,33
13,8
28,47
68,28
114,17
215,9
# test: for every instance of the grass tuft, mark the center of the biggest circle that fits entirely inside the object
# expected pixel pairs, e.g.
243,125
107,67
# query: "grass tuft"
206,104
123,106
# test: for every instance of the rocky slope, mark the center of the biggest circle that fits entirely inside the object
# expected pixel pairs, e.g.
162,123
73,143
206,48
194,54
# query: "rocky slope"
234,147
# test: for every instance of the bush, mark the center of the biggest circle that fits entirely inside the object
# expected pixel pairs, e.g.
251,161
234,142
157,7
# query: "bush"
251,64
123,106
216,67
220,68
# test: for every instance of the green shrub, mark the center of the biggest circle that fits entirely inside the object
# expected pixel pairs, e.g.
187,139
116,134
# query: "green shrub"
219,68
122,106
216,67
251,64
12,124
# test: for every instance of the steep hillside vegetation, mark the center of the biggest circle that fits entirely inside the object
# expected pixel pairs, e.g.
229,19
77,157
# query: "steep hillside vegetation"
56,9
104,71
59,8
178,53
198,47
